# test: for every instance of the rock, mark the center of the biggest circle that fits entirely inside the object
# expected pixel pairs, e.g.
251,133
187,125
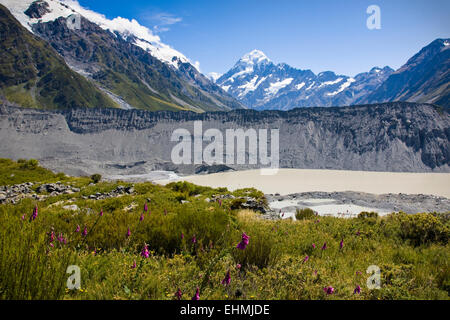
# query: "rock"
184,201
72,207
130,207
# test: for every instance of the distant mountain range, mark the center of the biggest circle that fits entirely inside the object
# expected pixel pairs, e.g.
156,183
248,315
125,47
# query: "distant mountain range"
119,63
260,84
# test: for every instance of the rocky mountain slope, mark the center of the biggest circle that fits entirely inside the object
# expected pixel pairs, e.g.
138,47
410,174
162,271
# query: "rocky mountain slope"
382,137
123,59
32,74
424,78
263,85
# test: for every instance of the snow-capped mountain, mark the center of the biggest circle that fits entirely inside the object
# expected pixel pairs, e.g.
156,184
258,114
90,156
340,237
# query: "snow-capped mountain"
50,10
124,59
260,84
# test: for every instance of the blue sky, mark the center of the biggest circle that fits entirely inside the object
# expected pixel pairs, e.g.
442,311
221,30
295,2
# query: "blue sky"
319,35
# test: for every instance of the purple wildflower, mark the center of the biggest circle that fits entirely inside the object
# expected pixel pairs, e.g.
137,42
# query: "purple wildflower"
358,233
78,228
35,213
178,294
194,239
226,281
238,266
84,233
23,217
328,290
128,232
133,266
145,253
142,217
196,295
324,246
145,207
314,245
358,273
182,236
101,213
305,259
341,244
357,290
244,242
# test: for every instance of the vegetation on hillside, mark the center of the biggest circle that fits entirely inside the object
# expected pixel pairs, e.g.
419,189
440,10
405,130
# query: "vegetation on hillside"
162,240
33,75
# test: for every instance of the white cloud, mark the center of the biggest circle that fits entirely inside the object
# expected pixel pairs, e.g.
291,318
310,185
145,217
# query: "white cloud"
197,65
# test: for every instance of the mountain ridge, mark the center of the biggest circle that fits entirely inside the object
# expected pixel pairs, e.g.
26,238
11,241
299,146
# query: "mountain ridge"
262,85
129,70
397,136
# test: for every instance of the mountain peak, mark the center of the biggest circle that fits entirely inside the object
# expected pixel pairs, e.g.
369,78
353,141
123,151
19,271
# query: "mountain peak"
254,57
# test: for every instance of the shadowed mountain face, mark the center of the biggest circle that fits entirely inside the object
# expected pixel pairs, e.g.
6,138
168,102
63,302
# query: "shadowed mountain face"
32,74
129,72
124,74
424,78
383,137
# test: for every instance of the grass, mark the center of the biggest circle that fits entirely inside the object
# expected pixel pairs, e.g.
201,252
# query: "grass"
412,251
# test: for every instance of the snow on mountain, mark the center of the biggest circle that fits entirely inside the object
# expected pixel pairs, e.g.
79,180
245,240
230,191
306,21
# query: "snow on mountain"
141,35
260,84
213,76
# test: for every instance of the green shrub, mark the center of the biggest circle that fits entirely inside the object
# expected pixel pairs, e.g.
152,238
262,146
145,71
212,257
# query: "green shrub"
96,178
368,215
260,252
304,214
29,268
421,228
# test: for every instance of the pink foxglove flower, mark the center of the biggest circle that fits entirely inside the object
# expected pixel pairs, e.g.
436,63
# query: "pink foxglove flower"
226,281
145,253
328,290
178,294
357,290
35,213
196,295
244,242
